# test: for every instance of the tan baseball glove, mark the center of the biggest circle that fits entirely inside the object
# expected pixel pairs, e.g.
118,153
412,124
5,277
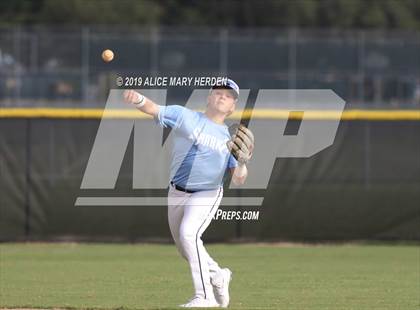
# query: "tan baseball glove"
241,143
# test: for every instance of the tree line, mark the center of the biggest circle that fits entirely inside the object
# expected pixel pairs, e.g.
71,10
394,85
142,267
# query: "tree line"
342,14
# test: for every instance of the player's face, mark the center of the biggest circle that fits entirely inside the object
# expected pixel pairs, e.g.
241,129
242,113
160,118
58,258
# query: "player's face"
222,100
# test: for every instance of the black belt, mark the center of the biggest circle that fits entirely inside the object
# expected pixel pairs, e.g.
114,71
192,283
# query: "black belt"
177,187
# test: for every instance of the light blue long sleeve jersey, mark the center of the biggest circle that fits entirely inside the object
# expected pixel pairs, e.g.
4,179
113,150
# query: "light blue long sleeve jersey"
200,157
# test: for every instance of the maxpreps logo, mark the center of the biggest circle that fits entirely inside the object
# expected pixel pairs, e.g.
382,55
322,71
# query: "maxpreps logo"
320,112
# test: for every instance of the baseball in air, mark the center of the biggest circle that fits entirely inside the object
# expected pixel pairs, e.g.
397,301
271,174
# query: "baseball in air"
107,55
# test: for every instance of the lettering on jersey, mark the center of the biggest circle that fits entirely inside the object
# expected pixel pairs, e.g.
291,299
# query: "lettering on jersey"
209,141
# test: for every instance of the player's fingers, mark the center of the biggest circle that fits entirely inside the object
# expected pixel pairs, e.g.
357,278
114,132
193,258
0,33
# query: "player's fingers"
131,96
128,96
134,96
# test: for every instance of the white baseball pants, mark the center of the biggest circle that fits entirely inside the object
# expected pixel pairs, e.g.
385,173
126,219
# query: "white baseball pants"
189,214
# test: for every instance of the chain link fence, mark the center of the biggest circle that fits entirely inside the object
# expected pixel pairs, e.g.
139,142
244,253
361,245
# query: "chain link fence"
62,67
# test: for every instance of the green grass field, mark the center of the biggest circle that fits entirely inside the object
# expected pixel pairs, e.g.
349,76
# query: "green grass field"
105,276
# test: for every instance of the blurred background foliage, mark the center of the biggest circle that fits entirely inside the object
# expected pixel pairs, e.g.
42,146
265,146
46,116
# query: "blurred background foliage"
341,14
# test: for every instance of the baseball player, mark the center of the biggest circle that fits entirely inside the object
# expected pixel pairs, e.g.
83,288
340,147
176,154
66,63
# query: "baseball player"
203,151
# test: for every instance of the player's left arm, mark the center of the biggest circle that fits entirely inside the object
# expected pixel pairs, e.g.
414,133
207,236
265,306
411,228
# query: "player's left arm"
239,174
241,146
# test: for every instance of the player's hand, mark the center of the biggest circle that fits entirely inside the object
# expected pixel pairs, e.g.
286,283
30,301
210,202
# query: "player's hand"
131,96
